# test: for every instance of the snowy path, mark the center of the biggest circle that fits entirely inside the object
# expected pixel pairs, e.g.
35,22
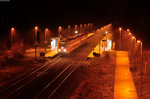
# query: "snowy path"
124,87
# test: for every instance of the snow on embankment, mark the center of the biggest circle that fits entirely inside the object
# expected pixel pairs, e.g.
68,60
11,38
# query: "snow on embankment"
100,81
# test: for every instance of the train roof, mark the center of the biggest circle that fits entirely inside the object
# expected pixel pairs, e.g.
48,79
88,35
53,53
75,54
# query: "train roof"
71,37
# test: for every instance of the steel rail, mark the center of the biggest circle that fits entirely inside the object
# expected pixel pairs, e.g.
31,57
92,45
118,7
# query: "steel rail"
31,74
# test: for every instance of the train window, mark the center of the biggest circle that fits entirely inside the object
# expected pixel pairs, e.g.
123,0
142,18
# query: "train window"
62,43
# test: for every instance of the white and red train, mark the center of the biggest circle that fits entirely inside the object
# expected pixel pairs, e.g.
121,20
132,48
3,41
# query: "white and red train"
66,45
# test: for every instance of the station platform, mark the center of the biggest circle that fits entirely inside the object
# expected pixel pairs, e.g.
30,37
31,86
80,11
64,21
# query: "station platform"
90,34
52,53
97,49
124,87
49,52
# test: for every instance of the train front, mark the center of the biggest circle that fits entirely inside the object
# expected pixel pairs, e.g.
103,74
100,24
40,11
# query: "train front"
62,47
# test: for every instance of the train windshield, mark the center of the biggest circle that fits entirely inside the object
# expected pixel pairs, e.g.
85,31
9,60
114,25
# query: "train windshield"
62,44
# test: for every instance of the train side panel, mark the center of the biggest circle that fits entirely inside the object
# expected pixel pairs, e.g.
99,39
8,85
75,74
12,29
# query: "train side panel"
73,44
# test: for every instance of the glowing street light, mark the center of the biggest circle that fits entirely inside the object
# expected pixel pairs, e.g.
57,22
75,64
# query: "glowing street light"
12,29
12,35
120,29
76,29
120,38
76,32
81,28
106,32
45,37
130,34
133,37
69,30
139,42
128,30
59,31
134,45
36,28
36,43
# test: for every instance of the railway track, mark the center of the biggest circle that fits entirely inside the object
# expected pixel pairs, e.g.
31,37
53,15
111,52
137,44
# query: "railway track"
50,89
22,83
21,87
29,78
53,85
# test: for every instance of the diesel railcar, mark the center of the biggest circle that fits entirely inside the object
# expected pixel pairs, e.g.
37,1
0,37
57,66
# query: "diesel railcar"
66,45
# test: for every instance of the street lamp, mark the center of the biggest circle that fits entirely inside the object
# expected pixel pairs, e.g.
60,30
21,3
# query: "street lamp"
85,28
36,28
46,33
59,31
76,32
12,35
69,30
12,29
134,44
45,38
139,42
106,32
130,34
128,30
81,28
120,38
36,43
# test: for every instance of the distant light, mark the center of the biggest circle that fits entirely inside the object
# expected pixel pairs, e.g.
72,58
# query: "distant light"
130,34
128,30
59,50
106,32
120,28
76,32
138,41
60,27
46,29
36,28
65,50
12,29
133,37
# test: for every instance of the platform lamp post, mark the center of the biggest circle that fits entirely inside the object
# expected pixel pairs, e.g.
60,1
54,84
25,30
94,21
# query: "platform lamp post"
12,35
141,58
69,31
88,27
45,38
128,30
134,45
120,45
36,43
129,43
81,28
85,28
59,31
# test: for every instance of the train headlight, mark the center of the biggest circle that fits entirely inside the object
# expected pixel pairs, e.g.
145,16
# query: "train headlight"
62,47
65,50
59,50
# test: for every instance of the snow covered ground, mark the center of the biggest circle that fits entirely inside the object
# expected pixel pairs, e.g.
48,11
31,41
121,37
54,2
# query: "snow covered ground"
17,67
144,92
100,82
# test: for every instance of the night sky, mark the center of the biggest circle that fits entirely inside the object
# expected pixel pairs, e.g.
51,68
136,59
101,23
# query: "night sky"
25,14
